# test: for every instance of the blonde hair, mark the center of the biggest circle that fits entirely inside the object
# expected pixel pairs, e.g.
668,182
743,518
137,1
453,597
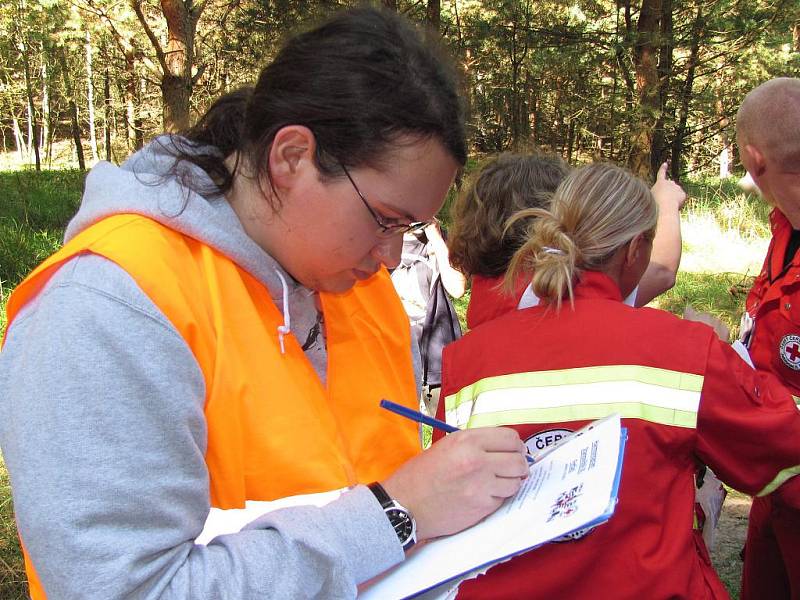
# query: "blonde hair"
596,210
478,242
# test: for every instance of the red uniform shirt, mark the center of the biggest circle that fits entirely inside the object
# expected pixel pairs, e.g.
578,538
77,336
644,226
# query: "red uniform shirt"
685,398
774,306
772,551
488,301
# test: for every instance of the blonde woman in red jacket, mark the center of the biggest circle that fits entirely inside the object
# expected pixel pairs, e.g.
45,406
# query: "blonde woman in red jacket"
685,397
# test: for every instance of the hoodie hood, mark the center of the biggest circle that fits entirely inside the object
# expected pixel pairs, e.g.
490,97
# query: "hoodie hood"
148,184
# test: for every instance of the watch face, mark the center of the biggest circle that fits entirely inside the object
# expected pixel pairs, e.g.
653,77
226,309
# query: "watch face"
403,524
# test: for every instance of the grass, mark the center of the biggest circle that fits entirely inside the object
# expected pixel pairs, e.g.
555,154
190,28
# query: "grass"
732,209
35,209
720,294
723,230
12,573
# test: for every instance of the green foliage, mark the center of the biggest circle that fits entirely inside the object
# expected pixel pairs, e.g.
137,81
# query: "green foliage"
548,73
733,209
720,294
12,572
36,208
43,200
461,304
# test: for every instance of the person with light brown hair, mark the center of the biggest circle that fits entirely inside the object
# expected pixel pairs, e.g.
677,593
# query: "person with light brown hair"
685,397
482,242
768,136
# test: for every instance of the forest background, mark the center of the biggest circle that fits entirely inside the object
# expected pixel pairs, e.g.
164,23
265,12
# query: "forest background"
634,81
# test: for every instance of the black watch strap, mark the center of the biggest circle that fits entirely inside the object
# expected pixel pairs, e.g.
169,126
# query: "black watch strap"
380,493
399,517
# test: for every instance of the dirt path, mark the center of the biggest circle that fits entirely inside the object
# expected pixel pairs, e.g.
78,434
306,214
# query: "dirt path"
731,533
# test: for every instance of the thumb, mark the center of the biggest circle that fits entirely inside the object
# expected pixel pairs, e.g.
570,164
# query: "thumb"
662,171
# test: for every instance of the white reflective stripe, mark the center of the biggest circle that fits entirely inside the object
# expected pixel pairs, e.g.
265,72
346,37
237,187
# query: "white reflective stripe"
459,416
581,375
684,403
605,392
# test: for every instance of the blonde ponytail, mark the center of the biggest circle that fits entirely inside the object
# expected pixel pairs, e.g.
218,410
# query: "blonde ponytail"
595,211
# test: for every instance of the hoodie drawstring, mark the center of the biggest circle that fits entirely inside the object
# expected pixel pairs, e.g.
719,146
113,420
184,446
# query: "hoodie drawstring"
286,327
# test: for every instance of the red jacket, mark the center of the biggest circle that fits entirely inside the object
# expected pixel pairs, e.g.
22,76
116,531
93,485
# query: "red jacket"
774,305
773,339
488,301
685,398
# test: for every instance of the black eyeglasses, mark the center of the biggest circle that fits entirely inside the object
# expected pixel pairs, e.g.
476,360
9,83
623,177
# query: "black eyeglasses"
386,229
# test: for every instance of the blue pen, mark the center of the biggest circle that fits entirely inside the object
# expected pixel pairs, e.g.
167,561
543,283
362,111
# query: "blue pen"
415,415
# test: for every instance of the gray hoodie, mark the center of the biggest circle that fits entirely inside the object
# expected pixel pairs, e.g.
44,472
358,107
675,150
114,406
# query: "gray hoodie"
103,432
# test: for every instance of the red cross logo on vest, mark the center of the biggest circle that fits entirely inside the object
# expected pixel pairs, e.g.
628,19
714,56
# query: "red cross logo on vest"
790,351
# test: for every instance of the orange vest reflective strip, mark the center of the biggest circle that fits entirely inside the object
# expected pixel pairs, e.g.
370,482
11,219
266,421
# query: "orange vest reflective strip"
265,409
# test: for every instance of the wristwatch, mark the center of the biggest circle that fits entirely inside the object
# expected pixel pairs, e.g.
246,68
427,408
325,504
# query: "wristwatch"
404,525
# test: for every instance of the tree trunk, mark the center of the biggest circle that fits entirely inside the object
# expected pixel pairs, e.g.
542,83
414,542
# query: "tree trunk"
434,14
536,117
108,117
19,139
29,143
131,102
176,83
727,149
390,4
44,136
73,108
645,64
33,125
679,142
177,61
660,149
138,124
571,140
175,95
796,36
518,107
90,97
130,119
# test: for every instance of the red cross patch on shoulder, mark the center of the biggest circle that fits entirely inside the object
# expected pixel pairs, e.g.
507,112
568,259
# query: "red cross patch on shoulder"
789,351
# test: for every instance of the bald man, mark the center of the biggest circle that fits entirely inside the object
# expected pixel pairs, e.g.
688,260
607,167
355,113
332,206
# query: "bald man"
768,136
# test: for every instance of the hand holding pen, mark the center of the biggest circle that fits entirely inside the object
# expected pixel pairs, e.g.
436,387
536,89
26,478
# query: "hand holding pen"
460,479
419,417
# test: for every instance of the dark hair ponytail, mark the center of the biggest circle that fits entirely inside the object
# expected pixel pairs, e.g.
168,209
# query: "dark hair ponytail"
359,82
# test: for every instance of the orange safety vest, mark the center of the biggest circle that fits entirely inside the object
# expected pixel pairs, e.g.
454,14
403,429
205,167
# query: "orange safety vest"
274,429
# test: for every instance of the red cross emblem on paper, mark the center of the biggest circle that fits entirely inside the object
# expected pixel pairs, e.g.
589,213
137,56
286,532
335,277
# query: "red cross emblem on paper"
790,351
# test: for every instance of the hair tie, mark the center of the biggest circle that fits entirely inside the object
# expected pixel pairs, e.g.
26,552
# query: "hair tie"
550,250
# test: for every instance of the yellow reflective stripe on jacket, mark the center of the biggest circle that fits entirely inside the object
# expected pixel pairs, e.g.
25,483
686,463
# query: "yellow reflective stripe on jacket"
657,395
779,480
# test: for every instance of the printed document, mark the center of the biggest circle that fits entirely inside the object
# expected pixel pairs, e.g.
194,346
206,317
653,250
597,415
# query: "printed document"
572,486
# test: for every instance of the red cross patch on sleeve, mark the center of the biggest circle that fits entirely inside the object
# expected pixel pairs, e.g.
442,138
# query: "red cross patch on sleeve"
789,351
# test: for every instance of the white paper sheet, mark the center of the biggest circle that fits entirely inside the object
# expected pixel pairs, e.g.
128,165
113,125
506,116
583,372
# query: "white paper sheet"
572,487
